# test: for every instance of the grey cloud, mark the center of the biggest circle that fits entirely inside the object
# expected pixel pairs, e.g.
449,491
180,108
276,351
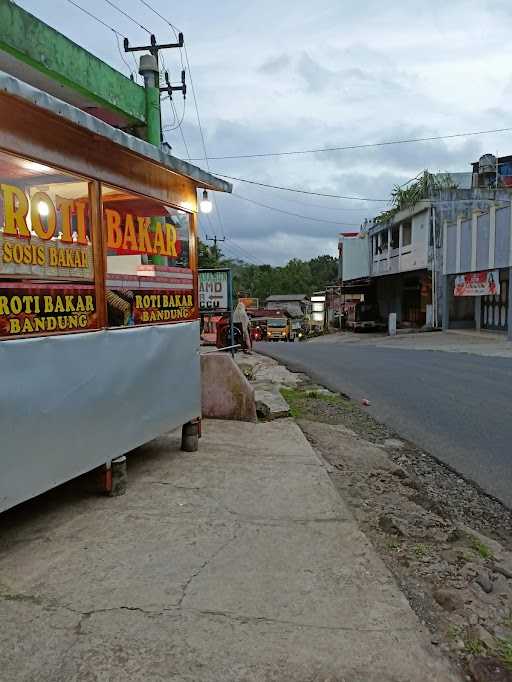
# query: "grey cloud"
275,64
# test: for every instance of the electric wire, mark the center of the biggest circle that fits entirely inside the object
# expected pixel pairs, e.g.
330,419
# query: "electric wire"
118,34
128,16
299,191
368,145
93,16
296,215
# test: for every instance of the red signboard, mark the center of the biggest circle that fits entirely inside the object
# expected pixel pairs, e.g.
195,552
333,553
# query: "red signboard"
485,283
42,308
149,306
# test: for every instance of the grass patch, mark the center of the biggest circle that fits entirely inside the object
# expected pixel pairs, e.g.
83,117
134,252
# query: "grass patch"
504,651
481,548
475,647
393,546
308,404
421,550
453,632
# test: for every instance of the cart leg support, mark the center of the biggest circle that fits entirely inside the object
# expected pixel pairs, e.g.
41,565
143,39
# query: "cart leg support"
190,436
119,477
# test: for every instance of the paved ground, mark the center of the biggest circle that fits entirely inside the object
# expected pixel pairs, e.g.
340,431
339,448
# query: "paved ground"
457,405
238,563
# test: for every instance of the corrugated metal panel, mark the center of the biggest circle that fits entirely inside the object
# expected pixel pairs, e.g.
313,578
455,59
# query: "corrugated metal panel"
71,403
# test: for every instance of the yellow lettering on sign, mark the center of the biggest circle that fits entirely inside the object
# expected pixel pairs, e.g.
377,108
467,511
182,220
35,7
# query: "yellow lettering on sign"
158,242
130,238
15,211
65,206
144,239
81,227
114,231
43,231
171,236
14,326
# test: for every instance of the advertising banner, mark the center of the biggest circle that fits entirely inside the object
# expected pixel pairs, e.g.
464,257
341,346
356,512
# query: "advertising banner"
43,309
250,302
44,237
485,283
148,306
213,291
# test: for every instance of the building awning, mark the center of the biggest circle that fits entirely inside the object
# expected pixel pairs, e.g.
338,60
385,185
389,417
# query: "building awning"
17,88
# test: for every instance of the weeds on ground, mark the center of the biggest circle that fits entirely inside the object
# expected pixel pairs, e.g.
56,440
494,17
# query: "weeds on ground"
421,550
302,402
453,632
393,546
504,651
481,548
475,647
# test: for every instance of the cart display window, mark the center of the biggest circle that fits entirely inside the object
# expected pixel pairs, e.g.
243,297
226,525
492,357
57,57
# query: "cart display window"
46,251
149,279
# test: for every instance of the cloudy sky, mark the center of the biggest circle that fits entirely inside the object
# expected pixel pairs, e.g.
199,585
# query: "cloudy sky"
294,74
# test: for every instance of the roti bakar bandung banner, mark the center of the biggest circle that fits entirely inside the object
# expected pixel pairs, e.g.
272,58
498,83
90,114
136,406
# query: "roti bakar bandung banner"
43,309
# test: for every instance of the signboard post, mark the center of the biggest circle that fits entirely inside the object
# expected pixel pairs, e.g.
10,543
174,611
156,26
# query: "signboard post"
216,294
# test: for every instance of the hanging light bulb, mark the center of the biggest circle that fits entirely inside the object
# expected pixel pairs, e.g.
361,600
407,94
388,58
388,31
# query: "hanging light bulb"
42,208
205,205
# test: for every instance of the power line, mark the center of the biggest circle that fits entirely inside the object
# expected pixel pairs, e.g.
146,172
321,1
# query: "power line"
93,16
358,146
117,34
299,191
307,204
128,16
296,215
123,59
170,24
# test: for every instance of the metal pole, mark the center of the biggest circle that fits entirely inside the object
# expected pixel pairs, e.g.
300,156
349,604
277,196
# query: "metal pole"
149,70
230,304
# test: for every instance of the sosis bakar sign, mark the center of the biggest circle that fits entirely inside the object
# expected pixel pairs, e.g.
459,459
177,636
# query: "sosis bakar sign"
31,247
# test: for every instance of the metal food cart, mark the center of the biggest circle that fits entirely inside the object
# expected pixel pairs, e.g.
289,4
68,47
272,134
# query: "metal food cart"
99,329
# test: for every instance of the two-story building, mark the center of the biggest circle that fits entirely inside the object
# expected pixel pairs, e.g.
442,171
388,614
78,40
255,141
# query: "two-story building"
408,265
399,265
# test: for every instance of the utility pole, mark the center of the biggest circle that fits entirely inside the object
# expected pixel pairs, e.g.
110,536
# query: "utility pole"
150,71
215,239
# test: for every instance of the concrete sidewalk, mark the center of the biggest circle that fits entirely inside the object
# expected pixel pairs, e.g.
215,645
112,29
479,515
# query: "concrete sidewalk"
485,343
236,563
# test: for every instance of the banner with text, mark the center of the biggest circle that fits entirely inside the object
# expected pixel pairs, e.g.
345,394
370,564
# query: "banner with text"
148,306
43,309
213,291
485,283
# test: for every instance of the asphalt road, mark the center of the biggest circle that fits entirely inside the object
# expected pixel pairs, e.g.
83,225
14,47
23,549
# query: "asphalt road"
456,406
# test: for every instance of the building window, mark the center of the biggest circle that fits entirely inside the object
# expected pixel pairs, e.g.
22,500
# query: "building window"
148,270
395,236
407,234
46,253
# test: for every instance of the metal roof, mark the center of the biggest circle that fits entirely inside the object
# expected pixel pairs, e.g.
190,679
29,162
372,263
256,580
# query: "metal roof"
17,88
287,297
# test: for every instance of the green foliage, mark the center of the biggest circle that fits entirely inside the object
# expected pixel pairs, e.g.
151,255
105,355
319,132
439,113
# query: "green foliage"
422,188
481,548
301,401
504,649
260,281
475,647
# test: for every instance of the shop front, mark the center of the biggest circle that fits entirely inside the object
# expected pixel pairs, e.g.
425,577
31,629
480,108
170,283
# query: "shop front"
477,264
99,322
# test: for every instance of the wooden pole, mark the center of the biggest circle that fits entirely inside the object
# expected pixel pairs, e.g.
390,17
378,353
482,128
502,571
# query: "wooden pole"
99,249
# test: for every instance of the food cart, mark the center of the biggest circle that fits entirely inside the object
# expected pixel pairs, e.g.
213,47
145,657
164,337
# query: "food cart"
99,329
